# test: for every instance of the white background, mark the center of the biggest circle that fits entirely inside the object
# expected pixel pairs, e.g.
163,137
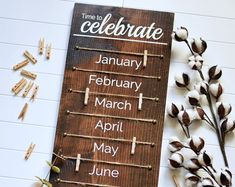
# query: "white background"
23,22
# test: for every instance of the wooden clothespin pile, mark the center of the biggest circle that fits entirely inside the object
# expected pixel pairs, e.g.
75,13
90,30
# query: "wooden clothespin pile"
24,83
28,85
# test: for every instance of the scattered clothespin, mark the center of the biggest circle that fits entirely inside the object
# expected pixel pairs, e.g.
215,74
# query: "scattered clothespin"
140,101
86,96
29,151
23,112
133,146
35,91
21,64
30,57
19,86
48,52
27,89
41,45
28,74
78,161
145,58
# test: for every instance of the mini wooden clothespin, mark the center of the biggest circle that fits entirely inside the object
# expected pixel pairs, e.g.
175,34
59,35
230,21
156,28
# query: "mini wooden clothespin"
27,89
19,86
48,52
29,151
86,96
140,101
133,146
41,46
145,58
23,112
21,64
28,74
35,91
30,57
14,88
78,161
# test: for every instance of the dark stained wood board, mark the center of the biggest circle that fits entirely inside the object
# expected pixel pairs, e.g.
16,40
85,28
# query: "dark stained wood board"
85,125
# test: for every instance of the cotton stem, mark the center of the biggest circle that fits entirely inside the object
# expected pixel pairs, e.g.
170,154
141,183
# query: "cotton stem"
219,136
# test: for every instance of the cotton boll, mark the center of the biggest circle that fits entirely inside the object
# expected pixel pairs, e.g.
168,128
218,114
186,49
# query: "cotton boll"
191,179
199,46
202,87
175,144
214,73
175,161
174,109
224,177
186,117
199,113
193,97
193,164
195,62
227,125
182,80
205,159
223,109
181,34
216,90
196,143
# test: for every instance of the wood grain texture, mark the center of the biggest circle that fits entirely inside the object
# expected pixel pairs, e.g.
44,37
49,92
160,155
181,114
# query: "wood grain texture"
145,155
40,123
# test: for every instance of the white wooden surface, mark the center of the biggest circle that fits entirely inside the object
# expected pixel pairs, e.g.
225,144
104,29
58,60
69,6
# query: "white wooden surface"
23,22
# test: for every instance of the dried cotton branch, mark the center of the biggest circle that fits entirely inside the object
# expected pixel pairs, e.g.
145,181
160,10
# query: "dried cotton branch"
211,89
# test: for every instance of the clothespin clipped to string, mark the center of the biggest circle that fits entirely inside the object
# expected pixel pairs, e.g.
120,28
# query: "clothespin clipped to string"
133,146
78,162
86,96
140,101
145,58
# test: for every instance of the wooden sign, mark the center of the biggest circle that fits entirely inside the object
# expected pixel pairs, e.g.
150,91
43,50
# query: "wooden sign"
110,123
